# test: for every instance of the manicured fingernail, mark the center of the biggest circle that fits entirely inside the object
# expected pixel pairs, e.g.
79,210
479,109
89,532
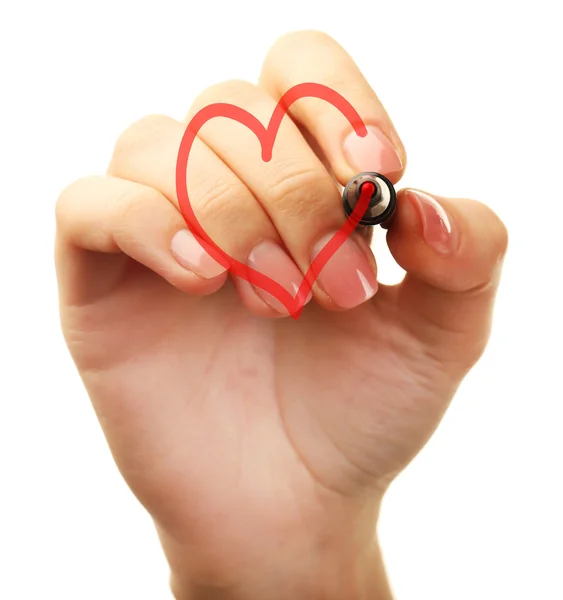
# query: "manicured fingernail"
438,229
188,251
271,260
372,153
348,277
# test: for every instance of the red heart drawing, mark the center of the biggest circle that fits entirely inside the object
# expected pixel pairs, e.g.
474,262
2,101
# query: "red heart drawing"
267,136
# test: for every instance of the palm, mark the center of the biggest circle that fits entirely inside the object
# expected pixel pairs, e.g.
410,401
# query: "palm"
212,411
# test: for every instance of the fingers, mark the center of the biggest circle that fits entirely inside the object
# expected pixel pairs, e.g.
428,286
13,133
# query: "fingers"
452,251
147,152
277,215
296,191
124,219
311,56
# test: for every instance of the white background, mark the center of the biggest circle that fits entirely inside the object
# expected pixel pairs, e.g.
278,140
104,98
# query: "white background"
474,88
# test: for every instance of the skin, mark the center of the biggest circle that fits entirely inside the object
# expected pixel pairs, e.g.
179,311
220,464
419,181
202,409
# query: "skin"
262,445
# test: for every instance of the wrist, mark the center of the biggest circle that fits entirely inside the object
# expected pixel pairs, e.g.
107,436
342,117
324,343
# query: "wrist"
312,567
365,581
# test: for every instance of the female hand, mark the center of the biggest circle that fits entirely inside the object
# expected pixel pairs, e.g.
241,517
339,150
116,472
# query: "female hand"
262,445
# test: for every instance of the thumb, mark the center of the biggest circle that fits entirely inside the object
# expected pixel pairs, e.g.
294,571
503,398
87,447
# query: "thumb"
452,251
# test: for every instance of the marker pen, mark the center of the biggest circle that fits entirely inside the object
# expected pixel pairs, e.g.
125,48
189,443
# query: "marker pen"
383,199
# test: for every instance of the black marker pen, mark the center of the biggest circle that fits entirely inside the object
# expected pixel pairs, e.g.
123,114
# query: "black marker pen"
383,199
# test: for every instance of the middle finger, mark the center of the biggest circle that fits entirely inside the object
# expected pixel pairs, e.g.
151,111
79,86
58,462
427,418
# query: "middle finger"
296,191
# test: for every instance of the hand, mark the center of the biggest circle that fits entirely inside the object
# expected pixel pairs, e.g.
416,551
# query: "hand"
262,445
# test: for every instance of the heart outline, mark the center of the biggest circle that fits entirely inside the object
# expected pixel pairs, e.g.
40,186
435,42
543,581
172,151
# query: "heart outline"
267,136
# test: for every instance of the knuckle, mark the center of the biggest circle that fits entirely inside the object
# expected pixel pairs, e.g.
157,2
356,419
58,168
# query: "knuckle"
134,210
217,200
136,204
134,138
297,39
297,190
65,199
234,90
68,199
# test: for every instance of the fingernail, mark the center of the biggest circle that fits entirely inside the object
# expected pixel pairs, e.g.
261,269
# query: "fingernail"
270,259
437,228
188,251
372,153
348,277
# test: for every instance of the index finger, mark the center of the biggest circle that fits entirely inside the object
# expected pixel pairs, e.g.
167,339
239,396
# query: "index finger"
312,56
